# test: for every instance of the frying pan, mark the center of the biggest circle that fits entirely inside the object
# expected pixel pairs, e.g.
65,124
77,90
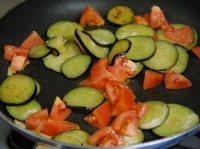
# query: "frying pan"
38,15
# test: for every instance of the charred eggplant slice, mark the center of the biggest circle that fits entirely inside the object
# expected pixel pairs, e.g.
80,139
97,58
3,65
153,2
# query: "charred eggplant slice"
83,97
17,89
87,45
120,15
102,37
121,47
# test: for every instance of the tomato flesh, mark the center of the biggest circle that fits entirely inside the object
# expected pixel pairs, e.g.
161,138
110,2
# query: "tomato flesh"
59,110
105,137
141,109
91,17
196,51
126,123
152,79
175,80
101,116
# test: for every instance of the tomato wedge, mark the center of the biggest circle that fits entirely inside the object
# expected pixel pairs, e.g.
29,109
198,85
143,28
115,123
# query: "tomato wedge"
53,128
35,120
91,17
182,36
126,123
196,51
175,80
156,17
32,40
101,116
88,82
140,20
59,110
105,137
152,79
141,109
8,52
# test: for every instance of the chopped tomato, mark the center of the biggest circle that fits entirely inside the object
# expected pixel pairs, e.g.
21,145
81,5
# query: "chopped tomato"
101,116
105,137
147,17
154,37
8,52
140,20
141,109
53,128
152,79
18,62
21,51
88,82
35,120
32,40
126,123
182,36
157,17
196,51
175,80
91,17
103,62
59,110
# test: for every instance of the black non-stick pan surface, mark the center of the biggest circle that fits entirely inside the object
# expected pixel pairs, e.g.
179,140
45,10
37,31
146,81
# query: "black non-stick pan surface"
38,15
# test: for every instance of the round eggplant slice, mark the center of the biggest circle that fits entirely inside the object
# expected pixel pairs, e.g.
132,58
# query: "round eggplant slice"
38,51
17,89
120,15
102,37
88,46
84,97
121,47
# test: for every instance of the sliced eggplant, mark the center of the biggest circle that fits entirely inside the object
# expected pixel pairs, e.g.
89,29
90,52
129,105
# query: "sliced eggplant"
165,56
55,62
57,43
17,89
88,46
39,51
63,28
76,65
142,47
121,47
102,37
136,139
84,97
133,30
120,15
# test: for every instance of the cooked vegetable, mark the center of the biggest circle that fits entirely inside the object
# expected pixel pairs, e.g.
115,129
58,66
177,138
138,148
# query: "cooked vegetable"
17,89
180,119
121,47
75,137
120,15
196,51
132,140
133,30
87,45
23,111
142,47
165,56
38,51
84,97
63,28
157,113
76,65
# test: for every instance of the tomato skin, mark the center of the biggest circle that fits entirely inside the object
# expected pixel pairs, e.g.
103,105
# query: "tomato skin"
196,51
140,20
88,83
53,128
103,62
182,36
157,17
141,109
32,40
175,80
59,110
91,17
101,116
105,137
152,79
126,123
8,52
35,120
